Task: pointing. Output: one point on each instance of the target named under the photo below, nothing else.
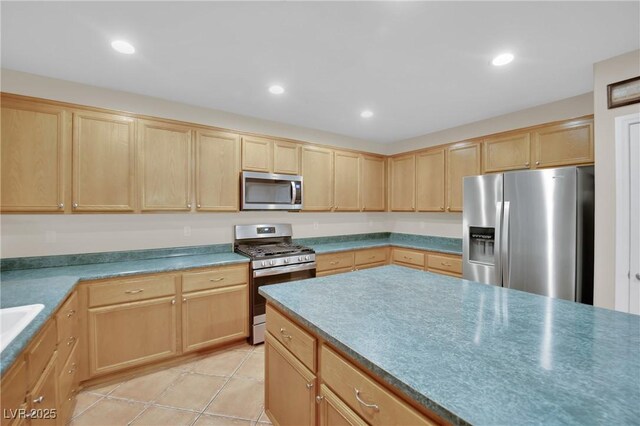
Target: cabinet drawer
(67, 375)
(132, 289)
(40, 352)
(294, 338)
(329, 262)
(445, 263)
(376, 255)
(67, 323)
(44, 396)
(214, 278)
(358, 390)
(408, 256)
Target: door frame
(623, 190)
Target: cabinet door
(430, 181)
(564, 144)
(103, 162)
(165, 166)
(217, 171)
(290, 388)
(372, 184)
(507, 152)
(317, 172)
(256, 154)
(334, 412)
(462, 160)
(128, 334)
(403, 183)
(214, 316)
(346, 193)
(286, 158)
(35, 138)
(44, 397)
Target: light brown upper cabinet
(217, 170)
(165, 165)
(256, 154)
(35, 144)
(507, 152)
(403, 183)
(103, 162)
(346, 193)
(372, 186)
(270, 156)
(286, 158)
(463, 159)
(317, 173)
(430, 180)
(563, 144)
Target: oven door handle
(283, 269)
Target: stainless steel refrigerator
(531, 231)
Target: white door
(627, 295)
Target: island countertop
(474, 353)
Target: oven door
(278, 275)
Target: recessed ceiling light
(366, 114)
(502, 59)
(123, 47)
(276, 89)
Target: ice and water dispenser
(481, 244)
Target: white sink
(14, 320)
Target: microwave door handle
(293, 192)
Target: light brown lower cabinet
(290, 388)
(342, 392)
(43, 399)
(334, 412)
(215, 316)
(129, 334)
(439, 263)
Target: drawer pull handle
(406, 257)
(445, 264)
(72, 370)
(71, 313)
(372, 257)
(284, 334)
(216, 279)
(38, 400)
(319, 399)
(372, 406)
(138, 290)
(309, 385)
(71, 340)
(334, 263)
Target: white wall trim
(622, 247)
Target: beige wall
(576, 106)
(606, 72)
(66, 91)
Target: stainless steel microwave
(268, 191)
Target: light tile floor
(224, 388)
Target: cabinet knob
(38, 400)
(198, 206)
(319, 399)
(537, 163)
(184, 300)
(442, 208)
(71, 313)
(61, 206)
(75, 205)
(309, 385)
(526, 164)
(448, 208)
(173, 301)
(189, 205)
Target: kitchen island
(466, 353)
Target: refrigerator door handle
(504, 245)
(497, 251)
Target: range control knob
(307, 257)
(286, 261)
(300, 258)
(264, 263)
(272, 262)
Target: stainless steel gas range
(274, 259)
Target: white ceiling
(420, 66)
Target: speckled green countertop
(475, 353)
(50, 286)
(383, 239)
